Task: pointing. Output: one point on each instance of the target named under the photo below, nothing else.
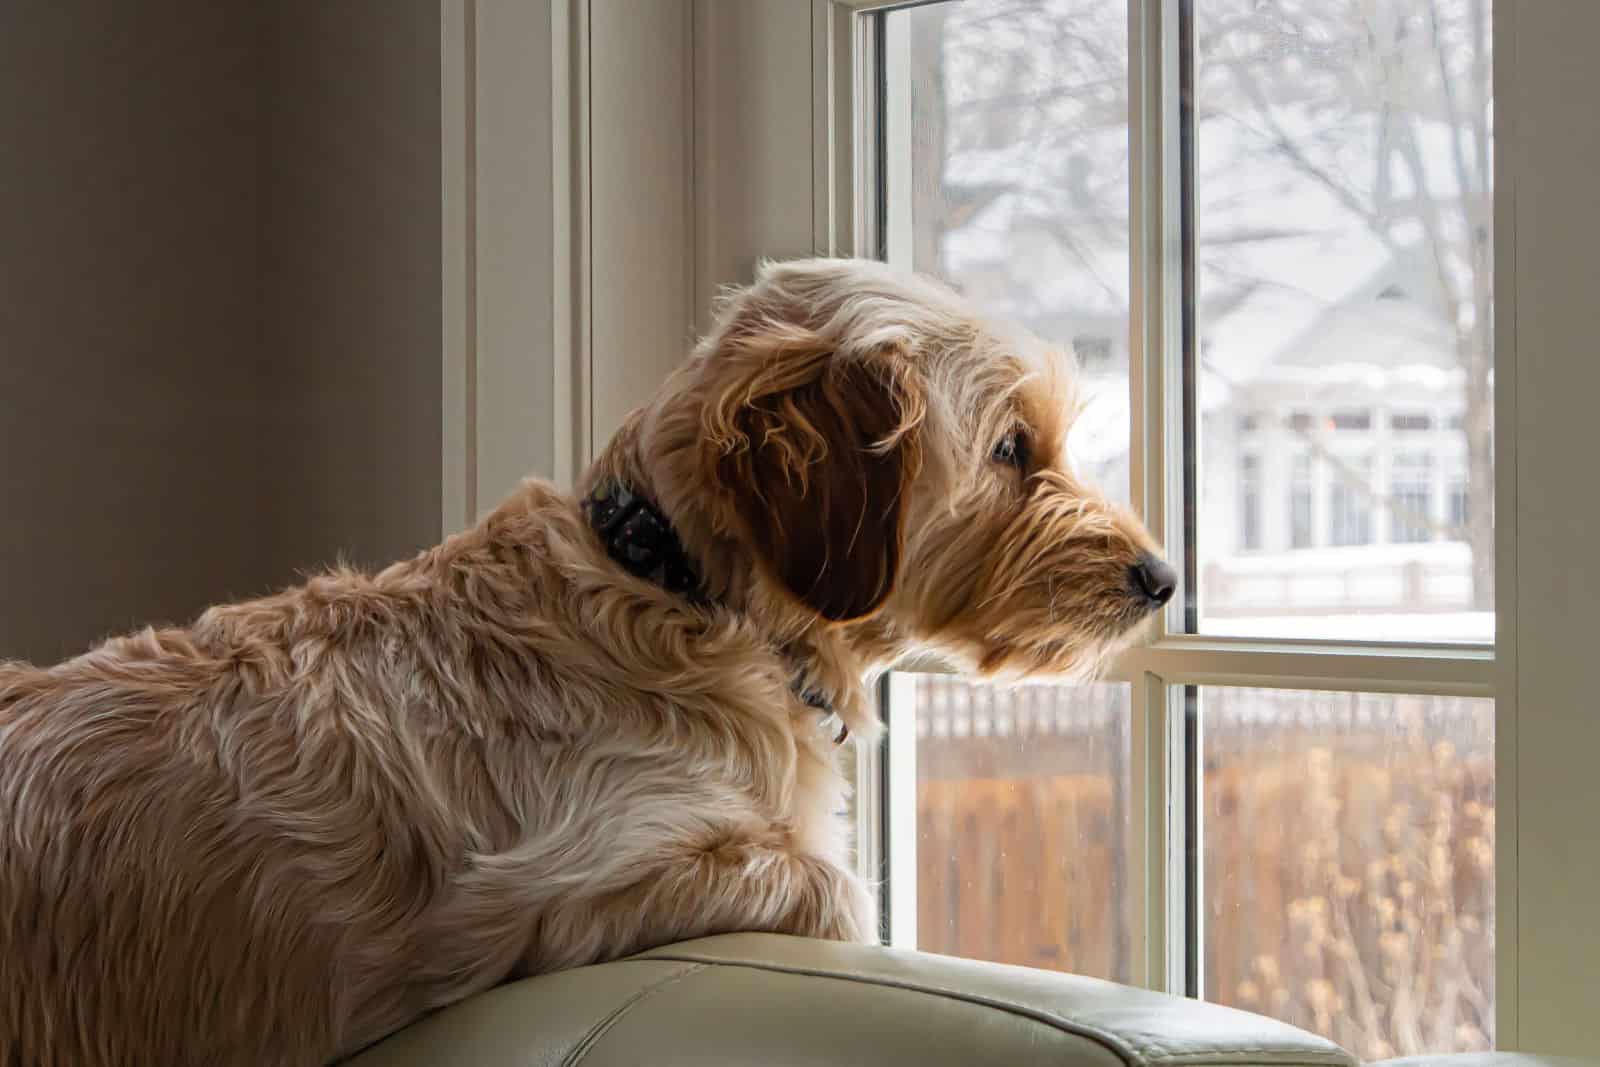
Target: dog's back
(186, 856)
(120, 871)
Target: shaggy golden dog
(593, 723)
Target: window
(814, 97)
(1022, 825)
(1358, 139)
(1411, 498)
(1349, 854)
(1301, 492)
(1017, 189)
(1249, 503)
(1460, 514)
(1094, 354)
(1022, 838)
(1298, 261)
(1350, 503)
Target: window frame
(761, 100)
(1166, 671)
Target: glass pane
(1007, 135)
(1349, 865)
(1023, 827)
(1345, 386)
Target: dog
(594, 723)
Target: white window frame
(524, 185)
(1159, 672)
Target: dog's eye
(1012, 450)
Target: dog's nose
(1154, 578)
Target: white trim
(1185, 799)
(1240, 661)
(1506, 770)
(458, 247)
(570, 380)
(1154, 355)
(1546, 151)
(902, 829)
(1155, 305)
(1155, 862)
(1281, 665)
(869, 815)
(582, 293)
(514, 159)
(898, 225)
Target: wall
(643, 240)
(130, 370)
(753, 171)
(350, 225)
(219, 337)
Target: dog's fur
(302, 822)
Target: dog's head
(887, 461)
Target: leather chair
(762, 999)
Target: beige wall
(219, 325)
(350, 222)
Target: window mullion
(1157, 868)
(1155, 316)
(1420, 671)
(1155, 274)
(899, 816)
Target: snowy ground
(1464, 626)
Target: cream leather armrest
(761, 999)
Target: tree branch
(1285, 144)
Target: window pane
(1343, 215)
(1349, 865)
(1007, 132)
(1023, 827)
(1007, 177)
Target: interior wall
(751, 192)
(641, 167)
(219, 338)
(129, 362)
(350, 224)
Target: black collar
(640, 538)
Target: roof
(1295, 286)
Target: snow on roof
(1279, 254)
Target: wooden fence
(1348, 853)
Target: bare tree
(1022, 109)
(1312, 81)
(1342, 95)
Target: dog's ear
(816, 451)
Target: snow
(1475, 627)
